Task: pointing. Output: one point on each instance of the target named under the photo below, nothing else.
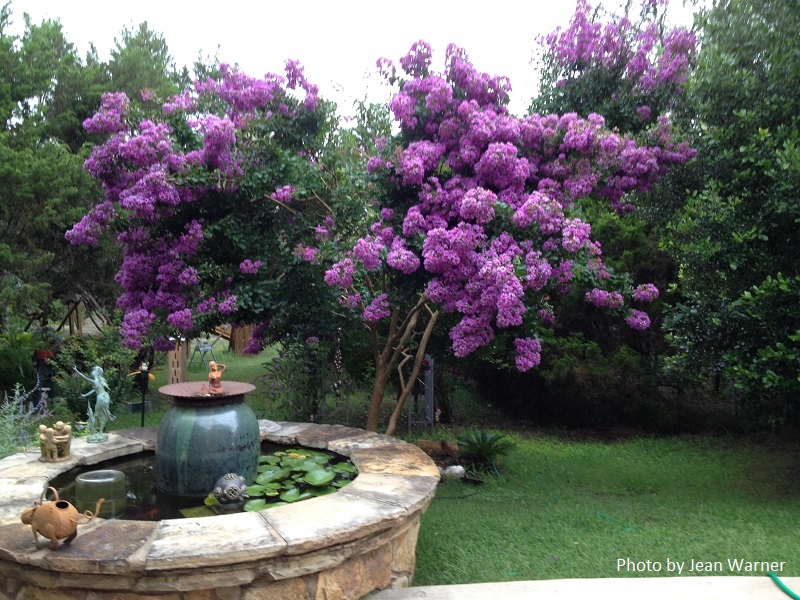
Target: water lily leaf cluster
(297, 474)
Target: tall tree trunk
(407, 386)
(386, 359)
(378, 389)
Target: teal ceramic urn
(203, 437)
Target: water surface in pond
(144, 501)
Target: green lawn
(565, 509)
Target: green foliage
(46, 94)
(302, 378)
(735, 239)
(140, 60)
(83, 353)
(16, 361)
(591, 387)
(480, 450)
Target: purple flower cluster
(110, 117)
(249, 267)
(401, 258)
(528, 353)
(283, 194)
(604, 299)
(638, 320)
(377, 309)
(646, 292)
(257, 339)
(306, 253)
(92, 226)
(575, 235)
(182, 319)
(341, 273)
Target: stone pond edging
(340, 546)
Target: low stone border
(340, 546)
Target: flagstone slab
(208, 541)
(329, 520)
(410, 492)
(405, 459)
(115, 447)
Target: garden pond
(285, 475)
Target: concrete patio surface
(644, 588)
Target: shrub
(16, 361)
(480, 450)
(105, 350)
(302, 374)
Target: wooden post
(75, 320)
(178, 357)
(240, 335)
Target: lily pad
(255, 505)
(259, 491)
(344, 467)
(198, 511)
(319, 477)
(291, 495)
(322, 491)
(254, 491)
(272, 474)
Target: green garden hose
(783, 587)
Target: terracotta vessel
(55, 520)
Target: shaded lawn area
(572, 509)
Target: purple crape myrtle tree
(629, 67)
(207, 193)
(481, 220)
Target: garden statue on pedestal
(55, 441)
(215, 371)
(102, 408)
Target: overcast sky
(338, 41)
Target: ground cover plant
(574, 507)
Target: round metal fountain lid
(194, 389)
